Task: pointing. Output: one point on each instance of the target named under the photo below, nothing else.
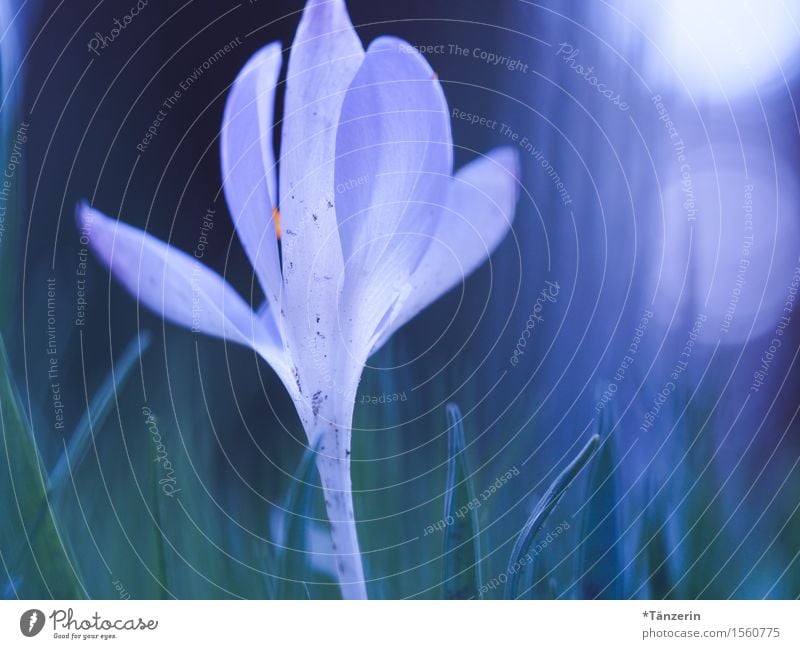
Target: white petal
(177, 286)
(325, 56)
(483, 196)
(248, 164)
(394, 161)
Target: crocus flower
(373, 227)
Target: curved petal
(177, 286)
(248, 164)
(480, 210)
(394, 161)
(393, 153)
(325, 55)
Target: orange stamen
(276, 217)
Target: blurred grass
(233, 530)
(516, 584)
(461, 577)
(600, 567)
(108, 525)
(36, 561)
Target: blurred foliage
(461, 578)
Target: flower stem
(333, 463)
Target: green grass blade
(31, 549)
(600, 562)
(293, 556)
(58, 480)
(656, 577)
(461, 576)
(95, 415)
(543, 508)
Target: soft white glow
(717, 50)
(745, 248)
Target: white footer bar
(153, 624)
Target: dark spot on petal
(316, 401)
